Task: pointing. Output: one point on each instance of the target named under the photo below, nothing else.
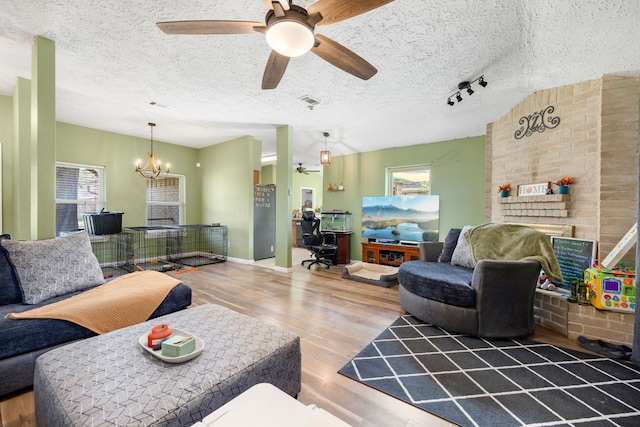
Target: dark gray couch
(493, 300)
(24, 340)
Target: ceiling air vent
(156, 104)
(310, 101)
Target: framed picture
(534, 189)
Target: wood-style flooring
(335, 319)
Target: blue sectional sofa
(24, 340)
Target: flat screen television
(401, 219)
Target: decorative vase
(504, 193)
(563, 189)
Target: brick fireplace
(596, 142)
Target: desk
(296, 234)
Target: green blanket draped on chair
(513, 242)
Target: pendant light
(325, 156)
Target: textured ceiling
(112, 60)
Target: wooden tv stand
(389, 254)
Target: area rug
(472, 381)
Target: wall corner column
(43, 140)
(284, 182)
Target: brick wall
(608, 325)
(551, 311)
(596, 142)
(573, 320)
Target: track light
(466, 85)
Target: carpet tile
(472, 381)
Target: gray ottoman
(111, 380)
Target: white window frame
(405, 169)
(101, 203)
(181, 203)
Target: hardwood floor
(334, 318)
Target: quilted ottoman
(111, 380)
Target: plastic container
(103, 223)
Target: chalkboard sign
(574, 257)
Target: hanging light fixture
(288, 31)
(466, 85)
(325, 156)
(151, 169)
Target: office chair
(323, 247)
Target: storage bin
(103, 223)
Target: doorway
(307, 198)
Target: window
(165, 201)
(409, 180)
(80, 189)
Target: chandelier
(151, 169)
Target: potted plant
(563, 184)
(504, 190)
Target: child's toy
(611, 289)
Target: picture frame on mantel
(538, 189)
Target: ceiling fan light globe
(290, 38)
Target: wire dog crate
(204, 244)
(152, 248)
(111, 251)
(160, 248)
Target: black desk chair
(323, 247)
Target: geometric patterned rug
(472, 381)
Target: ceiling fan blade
(209, 27)
(276, 66)
(283, 3)
(333, 11)
(343, 58)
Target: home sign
(533, 189)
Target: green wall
(221, 189)
(6, 135)
(457, 175)
(126, 191)
(227, 190)
(268, 174)
(312, 180)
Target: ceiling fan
(304, 170)
(289, 30)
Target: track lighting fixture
(466, 85)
